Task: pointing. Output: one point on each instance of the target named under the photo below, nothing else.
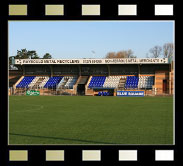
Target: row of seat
(132, 82)
(103, 94)
(47, 82)
(24, 83)
(97, 81)
(53, 82)
(33, 82)
(39, 82)
(112, 81)
(70, 82)
(146, 82)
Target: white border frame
(99, 144)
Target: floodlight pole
(93, 52)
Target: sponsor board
(93, 61)
(130, 93)
(32, 93)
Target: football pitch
(90, 120)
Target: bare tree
(155, 51)
(168, 49)
(121, 54)
(110, 55)
(130, 54)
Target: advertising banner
(130, 93)
(32, 93)
(93, 61)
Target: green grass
(90, 120)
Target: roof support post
(79, 70)
(51, 69)
(109, 70)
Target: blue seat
(97, 81)
(25, 82)
(131, 82)
(53, 82)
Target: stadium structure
(94, 77)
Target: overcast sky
(77, 39)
